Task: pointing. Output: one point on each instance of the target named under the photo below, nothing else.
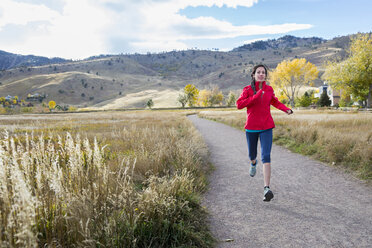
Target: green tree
(290, 76)
(304, 101)
(345, 100)
(182, 98)
(231, 99)
(150, 103)
(354, 74)
(324, 100)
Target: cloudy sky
(77, 29)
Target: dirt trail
(314, 205)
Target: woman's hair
(253, 85)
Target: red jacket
(258, 106)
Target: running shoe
(252, 170)
(268, 194)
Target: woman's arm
(246, 99)
(277, 104)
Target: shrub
(304, 101)
(27, 109)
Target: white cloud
(90, 27)
(158, 46)
(23, 13)
(180, 4)
(254, 40)
(76, 33)
(160, 22)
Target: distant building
(9, 98)
(333, 94)
(36, 97)
(10, 101)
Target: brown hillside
(105, 80)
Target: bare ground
(314, 205)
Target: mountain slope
(114, 79)
(10, 60)
(284, 42)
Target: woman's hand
(289, 111)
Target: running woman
(257, 98)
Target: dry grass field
(162, 99)
(339, 138)
(104, 179)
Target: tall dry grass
(338, 138)
(102, 180)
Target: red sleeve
(277, 104)
(247, 99)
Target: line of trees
(353, 76)
(15, 101)
(211, 96)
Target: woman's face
(260, 74)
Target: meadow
(341, 139)
(102, 179)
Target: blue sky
(76, 29)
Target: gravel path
(314, 205)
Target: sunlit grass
(109, 179)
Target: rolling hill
(11, 60)
(124, 81)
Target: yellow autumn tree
(204, 98)
(210, 97)
(282, 97)
(217, 96)
(354, 75)
(290, 75)
(191, 93)
(15, 100)
(52, 105)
